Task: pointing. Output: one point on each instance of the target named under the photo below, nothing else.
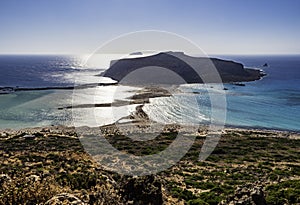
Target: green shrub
(210, 198)
(197, 202)
(284, 192)
(182, 193)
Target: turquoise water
(272, 102)
(34, 109)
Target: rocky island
(189, 69)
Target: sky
(216, 26)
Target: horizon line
(78, 54)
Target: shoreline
(140, 97)
(135, 125)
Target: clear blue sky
(217, 26)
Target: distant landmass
(178, 68)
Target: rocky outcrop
(142, 190)
(247, 195)
(187, 69)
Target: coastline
(136, 125)
(142, 97)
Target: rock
(3, 134)
(64, 198)
(45, 130)
(4, 178)
(257, 196)
(247, 194)
(29, 137)
(33, 178)
(142, 190)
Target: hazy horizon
(218, 27)
(209, 54)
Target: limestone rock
(64, 199)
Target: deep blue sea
(272, 102)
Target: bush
(284, 192)
(197, 202)
(182, 194)
(211, 198)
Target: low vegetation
(32, 171)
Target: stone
(34, 178)
(4, 178)
(29, 137)
(64, 198)
(146, 189)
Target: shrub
(197, 202)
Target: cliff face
(178, 68)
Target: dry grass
(33, 171)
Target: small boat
(265, 65)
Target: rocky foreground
(50, 166)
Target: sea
(270, 103)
